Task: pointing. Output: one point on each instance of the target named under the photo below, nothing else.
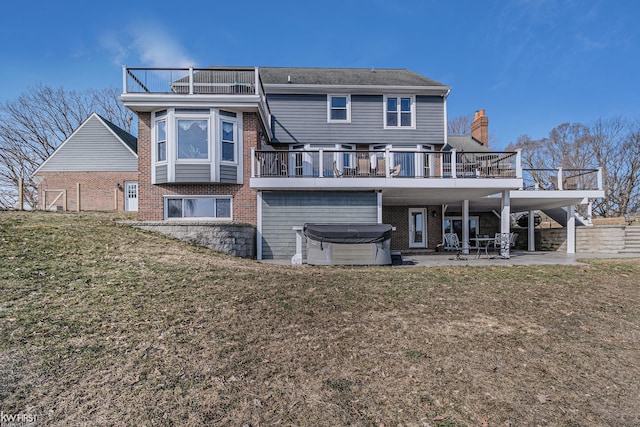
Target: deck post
(519, 163)
(560, 183)
(454, 165)
(505, 225)
(571, 229)
(531, 234)
(190, 80)
(465, 226)
(253, 163)
(124, 79)
(600, 186)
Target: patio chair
(513, 237)
(452, 243)
(504, 241)
(336, 172)
(364, 166)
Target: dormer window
(399, 112)
(339, 108)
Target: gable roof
(464, 143)
(130, 140)
(95, 145)
(381, 80)
(345, 76)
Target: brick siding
(150, 196)
(398, 216)
(96, 189)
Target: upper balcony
(368, 170)
(239, 88)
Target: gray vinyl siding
(229, 174)
(193, 173)
(93, 147)
(283, 210)
(161, 174)
(303, 119)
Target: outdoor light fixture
(117, 185)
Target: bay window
(196, 145)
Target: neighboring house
(276, 148)
(100, 160)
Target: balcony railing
(192, 81)
(327, 163)
(562, 179)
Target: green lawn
(107, 325)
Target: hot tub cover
(348, 233)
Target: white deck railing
(562, 179)
(192, 81)
(328, 163)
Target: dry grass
(107, 325)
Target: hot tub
(348, 244)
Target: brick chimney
(480, 127)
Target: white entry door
(417, 228)
(131, 196)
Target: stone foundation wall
(237, 239)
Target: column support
(505, 223)
(571, 229)
(531, 235)
(465, 226)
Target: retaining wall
(237, 239)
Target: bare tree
(37, 122)
(613, 144)
(460, 125)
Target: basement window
(200, 207)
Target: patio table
(483, 242)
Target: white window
(228, 137)
(399, 112)
(192, 138)
(161, 141)
(200, 207)
(339, 108)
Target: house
(274, 148)
(96, 168)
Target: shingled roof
(464, 143)
(345, 77)
(126, 137)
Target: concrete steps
(605, 239)
(631, 239)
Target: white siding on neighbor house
(303, 119)
(93, 147)
(281, 211)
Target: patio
(517, 257)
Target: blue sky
(531, 64)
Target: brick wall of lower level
(398, 216)
(98, 190)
